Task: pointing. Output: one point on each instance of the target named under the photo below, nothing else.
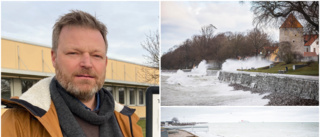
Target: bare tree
(237, 45)
(258, 39)
(275, 12)
(151, 45)
(5, 88)
(208, 31)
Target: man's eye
(72, 53)
(98, 56)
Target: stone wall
(305, 87)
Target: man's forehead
(81, 37)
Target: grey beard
(81, 94)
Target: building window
(132, 96)
(110, 89)
(306, 49)
(26, 84)
(5, 88)
(141, 97)
(121, 95)
(314, 49)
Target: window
(5, 88)
(132, 96)
(314, 49)
(141, 98)
(306, 49)
(121, 95)
(110, 89)
(26, 84)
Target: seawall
(305, 87)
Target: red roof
(309, 54)
(309, 39)
(291, 22)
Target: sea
(197, 88)
(259, 129)
(187, 89)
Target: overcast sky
(127, 23)
(236, 114)
(181, 20)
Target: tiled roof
(291, 22)
(309, 39)
(309, 54)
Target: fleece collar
(39, 95)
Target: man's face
(80, 61)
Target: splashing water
(201, 69)
(195, 88)
(253, 62)
(185, 78)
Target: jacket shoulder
(127, 121)
(19, 122)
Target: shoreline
(177, 133)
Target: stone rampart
(306, 87)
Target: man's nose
(86, 61)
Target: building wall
(23, 56)
(315, 45)
(307, 49)
(273, 56)
(294, 36)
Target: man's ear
(53, 58)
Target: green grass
(312, 69)
(142, 124)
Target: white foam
(201, 69)
(190, 79)
(253, 62)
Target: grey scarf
(67, 105)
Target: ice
(252, 62)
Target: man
(73, 103)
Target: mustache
(85, 72)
